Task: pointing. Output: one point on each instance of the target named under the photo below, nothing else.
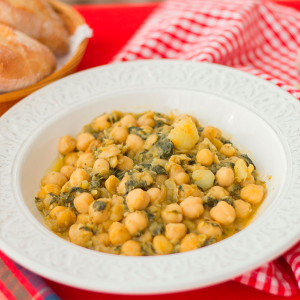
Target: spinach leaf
(225, 141)
(138, 131)
(210, 202)
(159, 170)
(99, 205)
(248, 160)
(165, 147)
(133, 184)
(156, 228)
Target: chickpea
(135, 143)
(136, 222)
(101, 123)
(249, 180)
(101, 166)
(157, 195)
(93, 146)
(252, 193)
(78, 176)
(82, 202)
(99, 210)
(79, 236)
(84, 140)
(172, 213)
(49, 188)
(128, 121)
(242, 209)
(225, 177)
(137, 199)
(86, 160)
(210, 229)
(146, 120)
(192, 207)
(217, 192)
(160, 179)
(146, 237)
(117, 200)
(189, 242)
(211, 133)
(67, 171)
(62, 218)
(205, 157)
(228, 150)
(175, 231)
(83, 219)
(187, 190)
(223, 213)
(66, 144)
(101, 239)
(71, 159)
(117, 212)
(162, 245)
(131, 248)
(54, 178)
(126, 164)
(111, 184)
(119, 134)
(179, 175)
(121, 189)
(118, 233)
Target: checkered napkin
(259, 37)
(17, 283)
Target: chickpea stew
(148, 184)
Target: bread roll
(23, 60)
(37, 19)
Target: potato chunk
(203, 179)
(184, 135)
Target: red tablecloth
(113, 25)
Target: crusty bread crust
(23, 60)
(37, 19)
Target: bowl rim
(143, 75)
(68, 68)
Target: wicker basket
(72, 19)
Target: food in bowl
(148, 184)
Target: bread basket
(72, 20)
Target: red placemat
(113, 25)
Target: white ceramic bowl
(262, 119)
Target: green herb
(159, 123)
(200, 129)
(214, 168)
(159, 170)
(210, 202)
(99, 205)
(210, 241)
(147, 249)
(229, 200)
(248, 160)
(133, 184)
(165, 147)
(97, 181)
(138, 131)
(156, 228)
(85, 228)
(225, 141)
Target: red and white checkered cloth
(255, 36)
